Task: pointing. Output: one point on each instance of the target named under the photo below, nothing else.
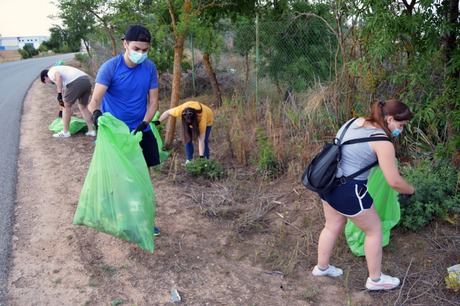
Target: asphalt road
(15, 80)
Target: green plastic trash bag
(117, 197)
(76, 124)
(163, 154)
(387, 206)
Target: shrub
(28, 51)
(267, 163)
(82, 57)
(436, 184)
(210, 169)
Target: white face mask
(137, 57)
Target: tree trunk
(86, 43)
(212, 79)
(175, 89)
(177, 69)
(112, 40)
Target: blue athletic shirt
(127, 89)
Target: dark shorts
(80, 89)
(349, 199)
(150, 149)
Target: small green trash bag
(117, 197)
(76, 124)
(387, 206)
(163, 154)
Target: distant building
(15, 43)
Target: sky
(26, 17)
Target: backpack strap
(339, 140)
(359, 140)
(365, 139)
(351, 176)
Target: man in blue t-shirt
(127, 86)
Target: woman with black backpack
(349, 199)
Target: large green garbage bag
(387, 206)
(117, 197)
(163, 154)
(76, 124)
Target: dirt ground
(232, 242)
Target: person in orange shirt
(197, 120)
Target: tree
(98, 12)
(61, 40)
(244, 41)
(79, 25)
(210, 42)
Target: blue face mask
(396, 132)
(137, 57)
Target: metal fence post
(257, 59)
(193, 65)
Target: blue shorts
(349, 199)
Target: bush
(210, 169)
(436, 193)
(43, 48)
(82, 57)
(267, 163)
(24, 53)
(28, 51)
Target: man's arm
(152, 105)
(96, 98)
(58, 81)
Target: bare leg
(369, 222)
(86, 115)
(66, 114)
(332, 229)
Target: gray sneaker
(61, 134)
(330, 271)
(386, 282)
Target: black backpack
(320, 174)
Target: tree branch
(173, 17)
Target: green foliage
(297, 52)
(210, 169)
(267, 163)
(62, 41)
(82, 58)
(244, 35)
(28, 51)
(42, 48)
(436, 185)
(408, 58)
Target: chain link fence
(266, 58)
(258, 59)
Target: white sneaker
(386, 282)
(91, 133)
(62, 134)
(330, 271)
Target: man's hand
(156, 122)
(96, 114)
(141, 127)
(59, 98)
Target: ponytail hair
(391, 107)
(190, 124)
